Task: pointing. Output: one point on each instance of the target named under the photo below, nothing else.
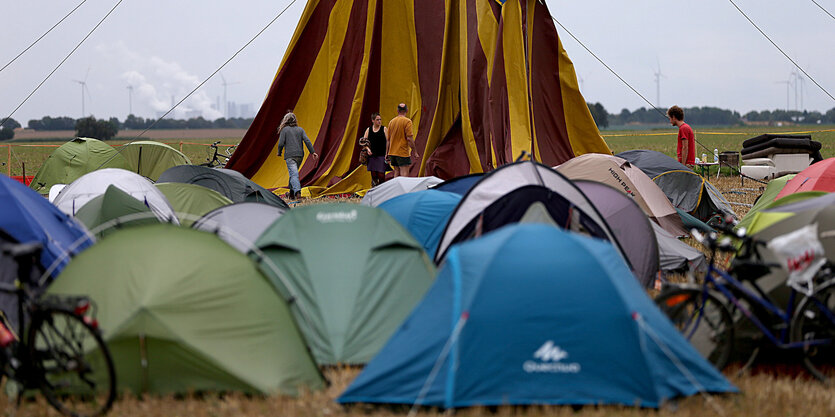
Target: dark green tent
(353, 271)
(74, 159)
(182, 311)
(231, 184)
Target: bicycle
(705, 313)
(62, 354)
(214, 158)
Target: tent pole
(139, 162)
(9, 163)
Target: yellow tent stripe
(516, 75)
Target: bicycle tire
(74, 366)
(810, 322)
(702, 319)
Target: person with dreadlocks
(290, 139)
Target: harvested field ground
(770, 391)
(762, 395)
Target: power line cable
(203, 82)
(824, 10)
(42, 36)
(217, 70)
(62, 62)
(662, 113)
(781, 50)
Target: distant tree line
(708, 116)
(135, 122)
(7, 130)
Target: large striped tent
(484, 80)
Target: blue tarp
(424, 214)
(27, 216)
(544, 317)
(459, 185)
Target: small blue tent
(459, 185)
(26, 216)
(531, 314)
(424, 214)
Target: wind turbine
(787, 83)
(802, 80)
(658, 76)
(794, 75)
(225, 101)
(83, 89)
(130, 99)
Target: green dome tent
(150, 159)
(74, 159)
(769, 214)
(183, 311)
(354, 273)
(114, 204)
(191, 199)
(766, 198)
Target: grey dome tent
(631, 227)
(231, 184)
(354, 273)
(93, 184)
(504, 195)
(240, 224)
(397, 186)
(675, 255)
(685, 189)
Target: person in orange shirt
(400, 143)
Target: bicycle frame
(781, 340)
(17, 289)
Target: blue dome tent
(508, 322)
(26, 216)
(424, 214)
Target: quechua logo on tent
(548, 360)
(337, 217)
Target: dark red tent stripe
(284, 93)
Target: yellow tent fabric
(484, 81)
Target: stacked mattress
(764, 146)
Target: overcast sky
(708, 54)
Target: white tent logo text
(549, 356)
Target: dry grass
(763, 395)
(766, 394)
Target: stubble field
(765, 392)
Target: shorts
(400, 161)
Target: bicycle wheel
(73, 363)
(703, 320)
(814, 323)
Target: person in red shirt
(686, 149)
